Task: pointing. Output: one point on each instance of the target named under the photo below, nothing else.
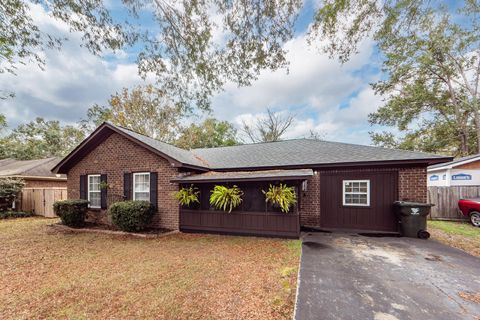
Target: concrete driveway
(347, 276)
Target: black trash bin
(413, 218)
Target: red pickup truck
(471, 208)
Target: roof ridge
(144, 135)
(253, 143)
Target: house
(42, 187)
(459, 172)
(36, 173)
(339, 185)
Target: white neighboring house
(459, 172)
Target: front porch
(254, 216)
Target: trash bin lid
(412, 204)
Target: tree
(9, 190)
(432, 84)
(144, 109)
(208, 134)
(196, 47)
(269, 128)
(40, 139)
(3, 122)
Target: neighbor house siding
(412, 186)
(118, 155)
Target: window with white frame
(141, 186)
(94, 192)
(356, 192)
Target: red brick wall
(310, 203)
(45, 184)
(117, 155)
(412, 186)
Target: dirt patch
(183, 276)
(467, 244)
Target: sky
(325, 96)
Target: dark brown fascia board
(425, 162)
(104, 125)
(283, 178)
(77, 148)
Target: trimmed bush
(9, 214)
(132, 215)
(71, 212)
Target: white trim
(344, 182)
(133, 187)
(88, 191)
(454, 165)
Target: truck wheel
(475, 218)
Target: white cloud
(325, 96)
(318, 90)
(72, 81)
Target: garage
(358, 200)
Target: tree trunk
(477, 128)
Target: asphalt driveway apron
(344, 276)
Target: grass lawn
(47, 274)
(461, 235)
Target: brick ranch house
(339, 185)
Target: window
(94, 193)
(141, 186)
(356, 192)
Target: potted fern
(187, 196)
(224, 198)
(281, 196)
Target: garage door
(358, 200)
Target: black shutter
(103, 191)
(153, 188)
(83, 187)
(127, 186)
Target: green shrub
(132, 215)
(14, 214)
(281, 196)
(223, 197)
(9, 189)
(71, 212)
(187, 196)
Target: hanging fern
(187, 196)
(282, 196)
(223, 197)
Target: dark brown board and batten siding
(378, 216)
(244, 223)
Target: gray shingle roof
(181, 155)
(30, 168)
(472, 157)
(270, 155)
(303, 152)
(247, 175)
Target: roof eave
(282, 178)
(426, 161)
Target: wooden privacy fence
(446, 199)
(40, 200)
